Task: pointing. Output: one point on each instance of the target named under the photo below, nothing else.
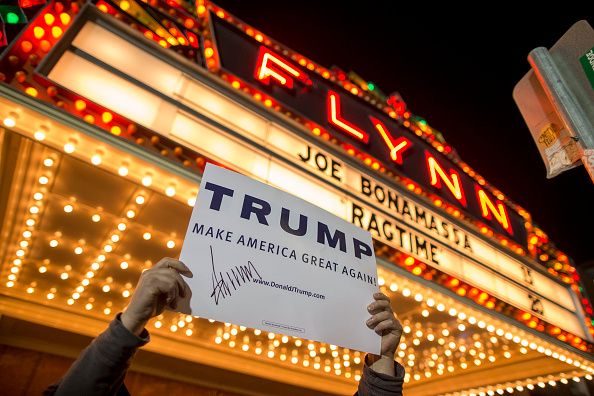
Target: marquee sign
(158, 96)
(362, 125)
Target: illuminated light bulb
(75, 295)
(48, 162)
(95, 266)
(123, 171)
(24, 244)
(440, 307)
(106, 288)
(65, 18)
(189, 332)
(430, 302)
(68, 208)
(108, 248)
(146, 236)
(53, 243)
(96, 159)
(90, 274)
(116, 130)
(452, 312)
(123, 265)
(115, 238)
(38, 32)
(49, 19)
(107, 311)
(40, 134)
(158, 324)
(418, 297)
(393, 287)
(170, 191)
(170, 244)
(43, 180)
(126, 293)
(461, 327)
(50, 296)
(10, 121)
(80, 289)
(88, 306)
(406, 292)
(20, 253)
(38, 196)
(192, 201)
(85, 282)
(122, 226)
(17, 261)
(69, 148)
(78, 250)
(147, 180)
(140, 200)
(42, 269)
(96, 218)
(64, 275)
(34, 209)
(130, 214)
(30, 290)
(57, 31)
(106, 117)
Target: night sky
(459, 74)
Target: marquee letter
(335, 119)
(270, 65)
(489, 210)
(451, 180)
(396, 146)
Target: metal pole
(567, 106)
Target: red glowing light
(270, 65)
(335, 119)
(396, 146)
(452, 179)
(490, 210)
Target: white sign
(263, 258)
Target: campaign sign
(265, 259)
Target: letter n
(490, 210)
(450, 179)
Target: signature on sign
(224, 283)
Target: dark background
(457, 71)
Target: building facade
(110, 111)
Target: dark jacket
(100, 369)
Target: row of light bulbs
(96, 159)
(529, 384)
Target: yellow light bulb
(96, 159)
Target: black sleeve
(378, 384)
(100, 369)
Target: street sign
(556, 99)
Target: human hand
(158, 288)
(384, 322)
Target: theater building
(109, 112)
